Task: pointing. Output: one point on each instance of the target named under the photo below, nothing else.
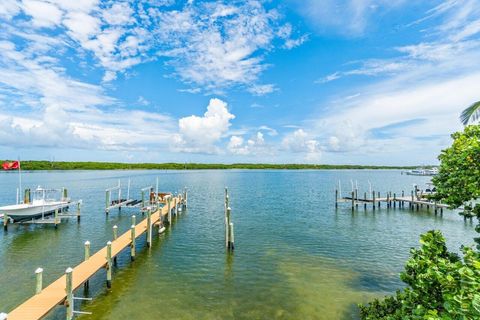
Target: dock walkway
(42, 303)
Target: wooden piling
(186, 197)
(133, 220)
(39, 280)
(356, 198)
(169, 215)
(87, 250)
(373, 200)
(107, 200)
(149, 228)
(132, 244)
(5, 221)
(109, 264)
(336, 198)
(394, 200)
(115, 236)
(353, 200)
(227, 226)
(115, 232)
(365, 201)
(69, 291)
(378, 202)
(87, 256)
(231, 245)
(78, 210)
(55, 218)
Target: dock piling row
(415, 201)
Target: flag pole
(19, 175)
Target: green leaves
(441, 285)
(468, 112)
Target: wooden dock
(61, 290)
(415, 200)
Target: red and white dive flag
(14, 165)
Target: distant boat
(422, 172)
(44, 202)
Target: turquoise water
(296, 257)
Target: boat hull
(31, 211)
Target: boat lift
(54, 217)
(150, 198)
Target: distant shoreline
(67, 165)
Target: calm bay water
(296, 257)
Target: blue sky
(305, 81)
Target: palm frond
(468, 113)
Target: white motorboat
(422, 172)
(44, 202)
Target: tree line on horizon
(92, 165)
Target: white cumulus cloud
(200, 134)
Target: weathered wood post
(169, 206)
(186, 198)
(107, 200)
(411, 200)
(176, 205)
(115, 232)
(78, 210)
(356, 198)
(87, 250)
(231, 244)
(227, 226)
(55, 218)
(5, 221)
(373, 200)
(353, 200)
(109, 264)
(26, 198)
(143, 198)
(378, 202)
(132, 244)
(365, 201)
(39, 280)
(87, 256)
(133, 220)
(115, 236)
(149, 228)
(336, 198)
(388, 200)
(69, 292)
(394, 200)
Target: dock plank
(41, 304)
